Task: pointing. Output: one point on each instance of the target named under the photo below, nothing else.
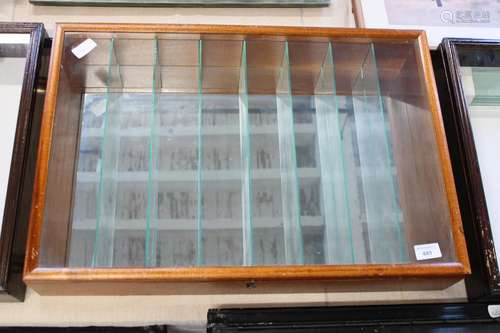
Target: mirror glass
(13, 51)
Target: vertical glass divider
(397, 218)
(246, 162)
(339, 247)
(199, 202)
(375, 155)
(151, 239)
(102, 254)
(290, 189)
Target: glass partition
(229, 150)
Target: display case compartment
(275, 153)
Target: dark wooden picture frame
(484, 283)
(20, 184)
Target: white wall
(338, 14)
(191, 309)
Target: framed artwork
(468, 75)
(439, 18)
(21, 91)
(235, 3)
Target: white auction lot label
(494, 311)
(84, 48)
(427, 251)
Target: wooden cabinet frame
(18, 198)
(121, 280)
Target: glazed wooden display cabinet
(213, 153)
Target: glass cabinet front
(223, 149)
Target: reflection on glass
(13, 48)
(482, 89)
(230, 152)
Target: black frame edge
(232, 320)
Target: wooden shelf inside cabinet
(188, 176)
(23, 64)
(186, 224)
(467, 72)
(193, 131)
(190, 154)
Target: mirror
(13, 52)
